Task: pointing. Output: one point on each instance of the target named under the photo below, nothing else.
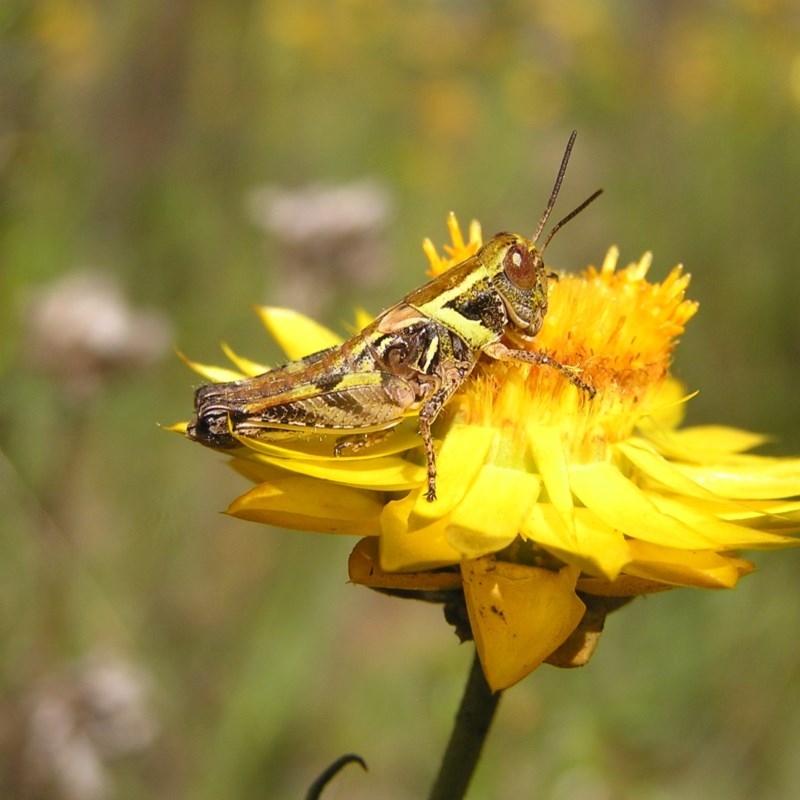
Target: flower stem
(315, 790)
(471, 728)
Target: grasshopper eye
(520, 266)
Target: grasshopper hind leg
(430, 454)
(427, 416)
(352, 443)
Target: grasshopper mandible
(408, 361)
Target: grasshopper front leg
(500, 352)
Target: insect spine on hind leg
(409, 361)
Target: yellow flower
(552, 508)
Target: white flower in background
(80, 329)
(328, 237)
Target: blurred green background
(132, 137)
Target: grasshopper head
(519, 277)
(213, 419)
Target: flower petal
(701, 568)
(253, 470)
(757, 479)
(293, 501)
(364, 568)
(297, 334)
(361, 319)
(460, 458)
(519, 615)
(385, 473)
(548, 452)
(621, 504)
(769, 515)
(591, 544)
(210, 372)
(703, 444)
(314, 444)
(490, 515)
(420, 546)
(667, 407)
(415, 531)
(245, 365)
(647, 459)
(726, 535)
(708, 442)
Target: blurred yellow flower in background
(552, 509)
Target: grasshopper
(409, 361)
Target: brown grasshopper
(410, 360)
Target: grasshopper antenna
(554, 195)
(556, 189)
(574, 213)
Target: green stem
(471, 728)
